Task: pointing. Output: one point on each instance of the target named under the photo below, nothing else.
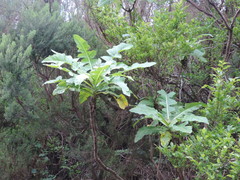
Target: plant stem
(92, 108)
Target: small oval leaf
(122, 101)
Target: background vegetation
(181, 120)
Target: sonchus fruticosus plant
(91, 77)
(171, 119)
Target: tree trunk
(92, 108)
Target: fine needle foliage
(91, 77)
(171, 119)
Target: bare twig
(129, 10)
(220, 14)
(230, 36)
(234, 18)
(200, 9)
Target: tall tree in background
(16, 77)
(18, 102)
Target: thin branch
(228, 47)
(234, 18)
(129, 10)
(200, 9)
(221, 15)
(134, 3)
(230, 36)
(221, 5)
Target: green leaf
(59, 90)
(144, 110)
(97, 74)
(119, 66)
(90, 54)
(129, 68)
(165, 138)
(65, 69)
(53, 66)
(84, 94)
(182, 128)
(199, 54)
(167, 101)
(83, 47)
(122, 101)
(142, 65)
(78, 79)
(77, 66)
(192, 117)
(58, 79)
(59, 59)
(119, 81)
(197, 104)
(189, 109)
(148, 130)
(114, 52)
(148, 102)
(149, 112)
(107, 58)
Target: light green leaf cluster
(90, 76)
(214, 154)
(172, 118)
(167, 46)
(225, 96)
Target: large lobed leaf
(115, 51)
(165, 138)
(149, 112)
(58, 79)
(175, 118)
(119, 81)
(59, 90)
(148, 130)
(142, 65)
(192, 117)
(145, 110)
(83, 48)
(84, 94)
(77, 79)
(97, 74)
(167, 101)
(183, 128)
(91, 76)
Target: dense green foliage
(90, 76)
(173, 118)
(214, 152)
(69, 111)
